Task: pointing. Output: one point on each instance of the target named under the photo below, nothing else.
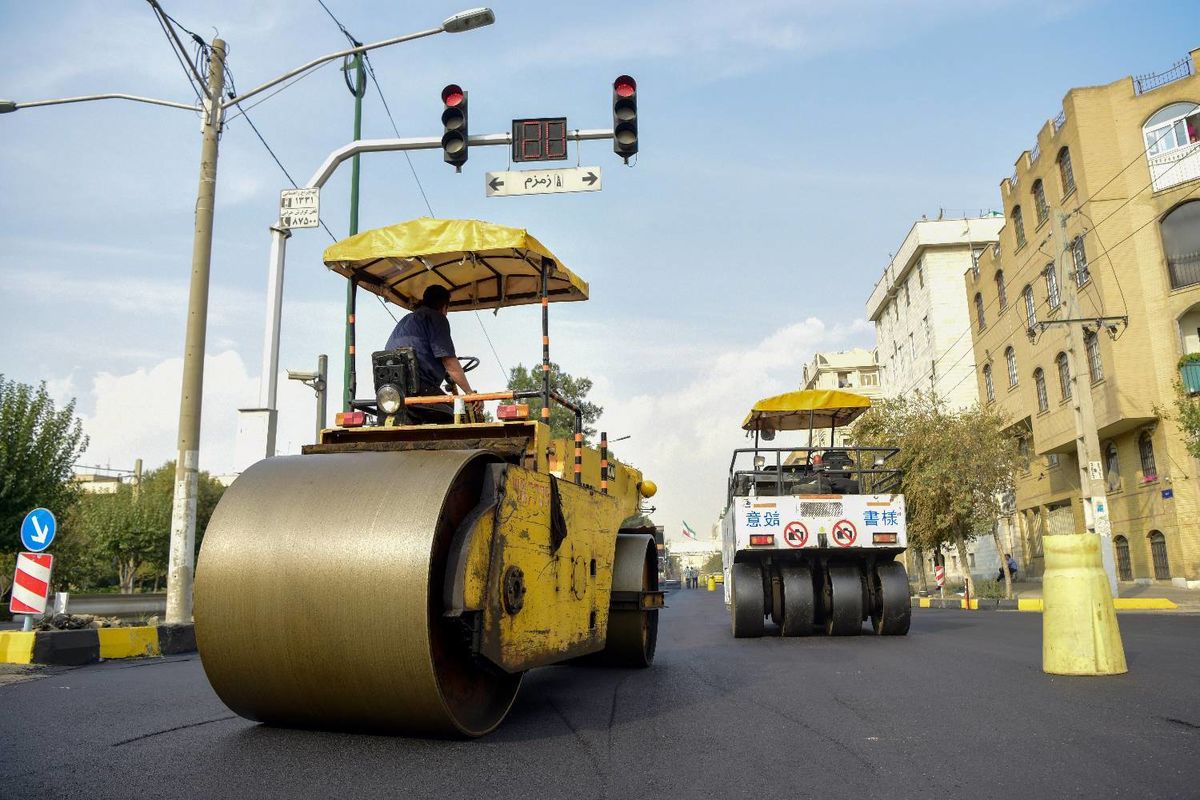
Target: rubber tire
(632, 635)
(893, 613)
(748, 609)
(843, 601)
(799, 600)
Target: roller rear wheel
(892, 610)
(633, 635)
(799, 600)
(843, 601)
(749, 603)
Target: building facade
(922, 331)
(1121, 165)
(855, 370)
(921, 321)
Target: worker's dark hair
(436, 296)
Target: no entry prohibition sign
(795, 534)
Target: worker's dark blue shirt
(427, 331)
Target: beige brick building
(1122, 162)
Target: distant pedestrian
(1012, 567)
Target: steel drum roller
(318, 595)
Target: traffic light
(625, 129)
(454, 126)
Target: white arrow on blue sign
(37, 531)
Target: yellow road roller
(404, 572)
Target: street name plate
(542, 181)
(300, 208)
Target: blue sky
(786, 148)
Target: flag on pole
(687, 531)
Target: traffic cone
(1079, 624)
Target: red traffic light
(452, 95)
(624, 86)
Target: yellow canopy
(483, 265)
(794, 411)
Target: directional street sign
(31, 583)
(37, 531)
(300, 208)
(542, 181)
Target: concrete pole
(1093, 485)
(187, 462)
(322, 385)
(137, 477)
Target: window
(1079, 256)
(1030, 308)
(1052, 298)
(928, 333)
(1001, 292)
(1039, 202)
(1112, 467)
(1146, 452)
(976, 253)
(843, 379)
(921, 274)
(912, 348)
(1023, 450)
(1124, 566)
(1039, 381)
(869, 378)
(1018, 226)
(979, 311)
(1158, 552)
(988, 386)
(1180, 230)
(1010, 358)
(1052, 460)
(1091, 343)
(906, 298)
(1064, 375)
(1064, 171)
(1176, 126)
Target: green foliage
(713, 565)
(38, 446)
(956, 464)
(1189, 358)
(1187, 416)
(562, 421)
(125, 536)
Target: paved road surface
(959, 708)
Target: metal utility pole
(187, 462)
(350, 376)
(317, 381)
(1093, 485)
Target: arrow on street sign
(542, 181)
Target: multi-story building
(1121, 162)
(922, 323)
(855, 370)
(922, 331)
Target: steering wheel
(468, 363)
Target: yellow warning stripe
(128, 642)
(16, 647)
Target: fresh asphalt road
(959, 708)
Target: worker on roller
(427, 331)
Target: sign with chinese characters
(542, 181)
(801, 521)
(543, 139)
(300, 208)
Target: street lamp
(317, 382)
(187, 463)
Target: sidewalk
(1186, 599)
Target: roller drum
(318, 596)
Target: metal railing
(1035, 153)
(1152, 80)
(1060, 119)
(797, 471)
(1184, 269)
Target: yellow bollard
(712, 583)
(1079, 624)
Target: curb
(1034, 604)
(76, 648)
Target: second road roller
(404, 572)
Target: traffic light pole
(187, 467)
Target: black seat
(399, 368)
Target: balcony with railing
(1174, 167)
(1184, 269)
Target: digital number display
(542, 139)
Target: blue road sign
(37, 531)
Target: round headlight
(388, 398)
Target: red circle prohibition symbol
(844, 533)
(795, 534)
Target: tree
(957, 465)
(1187, 417)
(712, 565)
(38, 447)
(562, 420)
